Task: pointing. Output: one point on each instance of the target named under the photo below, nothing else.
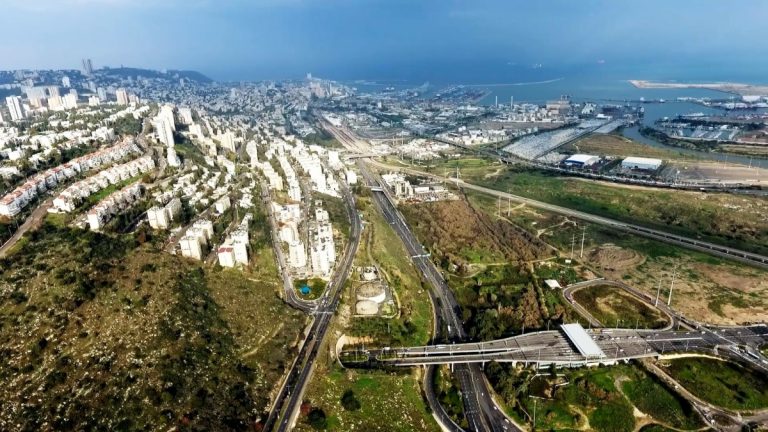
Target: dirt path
(33, 222)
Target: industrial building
(581, 160)
(641, 163)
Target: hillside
(123, 72)
(102, 333)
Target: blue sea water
(593, 82)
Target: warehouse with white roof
(641, 163)
(581, 160)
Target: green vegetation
(614, 307)
(124, 337)
(368, 400)
(316, 287)
(447, 389)
(381, 246)
(94, 199)
(460, 234)
(599, 399)
(650, 396)
(127, 126)
(486, 261)
(619, 146)
(699, 215)
(721, 383)
(349, 401)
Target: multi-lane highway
(554, 347)
(480, 409)
(289, 398)
(355, 144)
(546, 347)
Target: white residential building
(14, 106)
(297, 256)
(190, 247)
(122, 96)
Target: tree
(317, 419)
(349, 401)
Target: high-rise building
(53, 91)
(66, 82)
(55, 102)
(1, 118)
(87, 67)
(122, 96)
(70, 101)
(14, 106)
(101, 92)
(92, 86)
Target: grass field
(735, 220)
(619, 146)
(615, 308)
(652, 397)
(707, 289)
(721, 383)
(388, 401)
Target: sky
(380, 39)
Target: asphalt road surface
(290, 396)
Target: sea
(599, 82)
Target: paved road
(33, 221)
(289, 292)
(355, 144)
(678, 240)
(480, 409)
(290, 396)
(553, 347)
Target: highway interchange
(541, 348)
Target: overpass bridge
(545, 348)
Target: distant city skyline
(377, 39)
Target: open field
(616, 308)
(721, 383)
(619, 398)
(760, 150)
(104, 332)
(715, 172)
(387, 401)
(735, 220)
(619, 146)
(463, 235)
(706, 288)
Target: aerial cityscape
(384, 216)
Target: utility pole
(573, 243)
(671, 286)
(583, 234)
